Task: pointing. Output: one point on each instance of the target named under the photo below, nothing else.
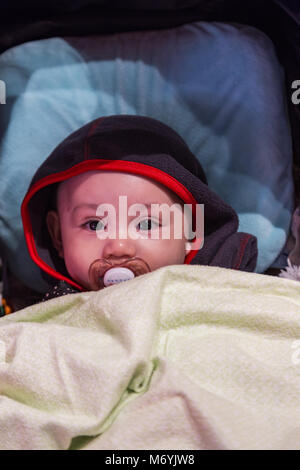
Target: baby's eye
(94, 225)
(147, 224)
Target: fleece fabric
(184, 357)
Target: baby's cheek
(166, 252)
(178, 251)
(78, 258)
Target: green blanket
(185, 357)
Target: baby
(74, 224)
(109, 202)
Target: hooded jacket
(142, 146)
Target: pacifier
(105, 273)
(115, 275)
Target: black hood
(143, 146)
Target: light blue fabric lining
(219, 86)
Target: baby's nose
(119, 247)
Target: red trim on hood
(241, 251)
(103, 165)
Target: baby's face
(78, 228)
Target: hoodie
(142, 146)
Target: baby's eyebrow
(95, 206)
(85, 205)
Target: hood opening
(41, 198)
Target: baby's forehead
(97, 186)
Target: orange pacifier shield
(104, 273)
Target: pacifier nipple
(116, 275)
